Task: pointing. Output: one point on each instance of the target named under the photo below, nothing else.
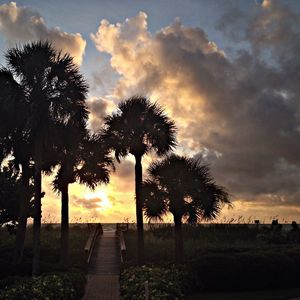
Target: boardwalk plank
(104, 269)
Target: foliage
(139, 126)
(223, 257)
(248, 270)
(50, 251)
(278, 294)
(184, 187)
(202, 239)
(47, 287)
(164, 282)
(47, 99)
(84, 160)
(10, 193)
(9, 197)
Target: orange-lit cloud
(19, 24)
(240, 113)
(237, 110)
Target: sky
(227, 72)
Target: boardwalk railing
(95, 231)
(120, 229)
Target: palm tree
(137, 127)
(55, 94)
(10, 195)
(14, 140)
(82, 160)
(185, 188)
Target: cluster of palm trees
(177, 184)
(44, 118)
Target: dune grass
(226, 258)
(159, 241)
(50, 249)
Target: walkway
(104, 269)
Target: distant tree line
(44, 115)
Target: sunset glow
(223, 72)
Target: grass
(198, 240)
(227, 258)
(50, 249)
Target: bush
(164, 283)
(47, 287)
(78, 280)
(250, 270)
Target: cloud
(19, 24)
(91, 204)
(99, 108)
(244, 110)
(122, 179)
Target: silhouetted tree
(185, 188)
(83, 160)
(14, 140)
(55, 94)
(137, 127)
(10, 195)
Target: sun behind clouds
(104, 202)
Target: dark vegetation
(224, 257)
(163, 282)
(44, 129)
(11, 187)
(137, 128)
(185, 188)
(273, 294)
(56, 282)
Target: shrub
(47, 287)
(164, 283)
(248, 270)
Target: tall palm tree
(55, 94)
(137, 127)
(82, 160)
(14, 140)
(185, 188)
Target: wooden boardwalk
(104, 269)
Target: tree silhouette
(55, 94)
(83, 159)
(14, 139)
(185, 188)
(10, 195)
(137, 127)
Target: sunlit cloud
(224, 107)
(19, 24)
(238, 111)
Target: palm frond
(155, 201)
(139, 126)
(192, 191)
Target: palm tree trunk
(22, 222)
(37, 218)
(139, 208)
(64, 236)
(178, 239)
